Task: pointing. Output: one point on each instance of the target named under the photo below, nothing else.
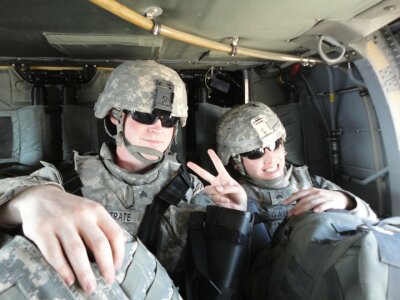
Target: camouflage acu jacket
(269, 201)
(125, 196)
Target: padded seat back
(27, 136)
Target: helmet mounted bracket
(164, 95)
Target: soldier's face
(270, 166)
(152, 136)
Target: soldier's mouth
(151, 141)
(271, 169)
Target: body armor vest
(268, 202)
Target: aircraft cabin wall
(349, 128)
(340, 140)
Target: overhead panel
(263, 25)
(105, 45)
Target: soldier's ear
(284, 149)
(112, 118)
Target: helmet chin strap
(238, 165)
(135, 151)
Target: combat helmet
(142, 86)
(246, 128)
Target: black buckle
(177, 188)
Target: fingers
(317, 200)
(201, 172)
(76, 254)
(61, 224)
(99, 245)
(306, 204)
(221, 200)
(223, 175)
(219, 166)
(105, 239)
(233, 196)
(51, 249)
(116, 238)
(324, 206)
(106, 242)
(224, 190)
(297, 196)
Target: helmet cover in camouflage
(132, 86)
(245, 128)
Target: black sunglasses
(157, 114)
(258, 153)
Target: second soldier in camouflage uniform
(250, 139)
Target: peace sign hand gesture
(223, 189)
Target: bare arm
(328, 195)
(318, 200)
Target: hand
(223, 189)
(61, 224)
(318, 200)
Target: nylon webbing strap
(71, 181)
(170, 195)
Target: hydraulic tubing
(332, 97)
(367, 180)
(315, 103)
(334, 135)
(133, 17)
(353, 78)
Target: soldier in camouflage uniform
(250, 139)
(145, 101)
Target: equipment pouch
(220, 252)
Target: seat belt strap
(71, 181)
(172, 194)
